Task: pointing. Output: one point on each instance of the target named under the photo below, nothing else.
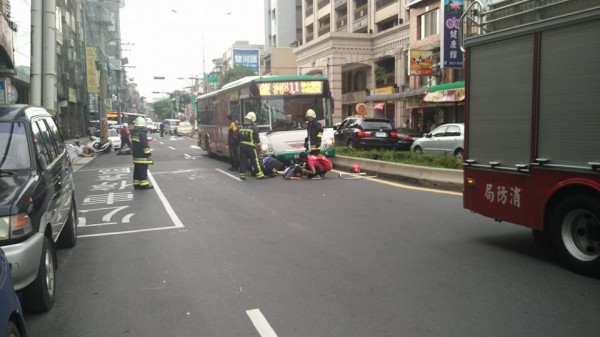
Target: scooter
(98, 145)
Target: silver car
(446, 139)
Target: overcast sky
(165, 38)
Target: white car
(184, 129)
(446, 139)
(115, 138)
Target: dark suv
(362, 132)
(37, 205)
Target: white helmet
(125, 125)
(251, 116)
(140, 122)
(311, 113)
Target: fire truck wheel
(575, 231)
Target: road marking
(408, 187)
(178, 171)
(162, 143)
(126, 232)
(260, 323)
(165, 202)
(172, 148)
(195, 147)
(229, 174)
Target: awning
(447, 92)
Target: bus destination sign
(291, 88)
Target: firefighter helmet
(251, 116)
(140, 122)
(311, 113)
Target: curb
(418, 175)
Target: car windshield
(113, 133)
(14, 153)
(377, 125)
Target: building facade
(364, 48)
(283, 32)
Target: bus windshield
(287, 113)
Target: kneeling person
(316, 165)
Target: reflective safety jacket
(248, 135)
(315, 133)
(139, 147)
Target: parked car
(37, 203)
(115, 137)
(12, 321)
(406, 137)
(171, 126)
(445, 139)
(150, 126)
(184, 129)
(361, 132)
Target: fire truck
(532, 119)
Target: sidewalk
(77, 162)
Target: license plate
(380, 134)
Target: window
(58, 140)
(453, 131)
(14, 152)
(428, 24)
(439, 132)
(51, 150)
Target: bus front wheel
(575, 233)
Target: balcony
(322, 3)
(379, 4)
(309, 11)
(324, 28)
(360, 12)
(338, 3)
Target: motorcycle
(97, 145)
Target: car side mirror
(428, 135)
(43, 162)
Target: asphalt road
(205, 254)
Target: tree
(236, 73)
(162, 108)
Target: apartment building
(361, 46)
(283, 32)
(364, 48)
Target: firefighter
(249, 143)
(314, 131)
(142, 154)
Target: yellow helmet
(251, 116)
(311, 113)
(139, 122)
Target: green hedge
(403, 157)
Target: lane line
(260, 323)
(172, 148)
(229, 174)
(126, 232)
(408, 187)
(161, 196)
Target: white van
(171, 126)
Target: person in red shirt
(314, 167)
(125, 135)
